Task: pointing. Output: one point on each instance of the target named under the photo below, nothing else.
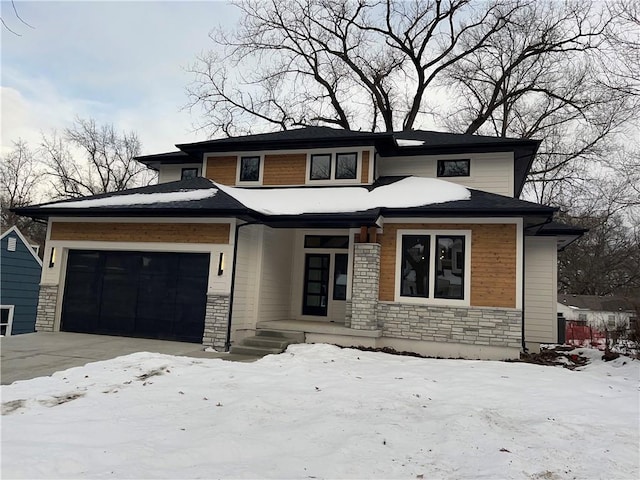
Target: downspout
(227, 343)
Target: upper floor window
(454, 168)
(188, 173)
(320, 167)
(249, 169)
(432, 265)
(346, 166)
(341, 166)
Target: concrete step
(295, 337)
(269, 342)
(256, 351)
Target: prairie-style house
(415, 241)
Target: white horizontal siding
(540, 295)
(172, 173)
(244, 296)
(275, 279)
(490, 172)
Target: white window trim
(334, 158)
(11, 309)
(431, 300)
(238, 170)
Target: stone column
(46, 312)
(215, 321)
(366, 281)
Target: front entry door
(316, 284)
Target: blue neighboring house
(20, 270)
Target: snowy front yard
(317, 411)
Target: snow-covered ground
(318, 411)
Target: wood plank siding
(285, 169)
(222, 169)
(493, 261)
(364, 177)
(215, 233)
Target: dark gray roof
(599, 303)
(385, 141)
(220, 204)
(223, 205)
(559, 228)
(435, 143)
(169, 158)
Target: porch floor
(310, 326)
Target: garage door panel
(148, 294)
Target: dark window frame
(431, 268)
(462, 274)
(407, 262)
(326, 241)
(355, 165)
(319, 156)
(195, 170)
(242, 172)
(442, 168)
(340, 291)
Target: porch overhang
(367, 218)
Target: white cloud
(117, 62)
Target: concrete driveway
(40, 354)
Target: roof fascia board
(239, 145)
(462, 148)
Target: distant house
(597, 311)
(415, 241)
(20, 271)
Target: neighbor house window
(346, 165)
(453, 168)
(582, 317)
(433, 265)
(320, 167)
(6, 320)
(188, 173)
(249, 169)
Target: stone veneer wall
(347, 314)
(364, 291)
(500, 327)
(215, 321)
(46, 312)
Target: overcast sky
(118, 62)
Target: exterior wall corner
(366, 281)
(215, 321)
(46, 311)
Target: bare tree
(106, 162)
(20, 176)
(365, 64)
(541, 77)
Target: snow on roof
(405, 142)
(139, 199)
(405, 193)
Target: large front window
(432, 266)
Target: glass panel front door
(316, 284)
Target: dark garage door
(140, 294)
